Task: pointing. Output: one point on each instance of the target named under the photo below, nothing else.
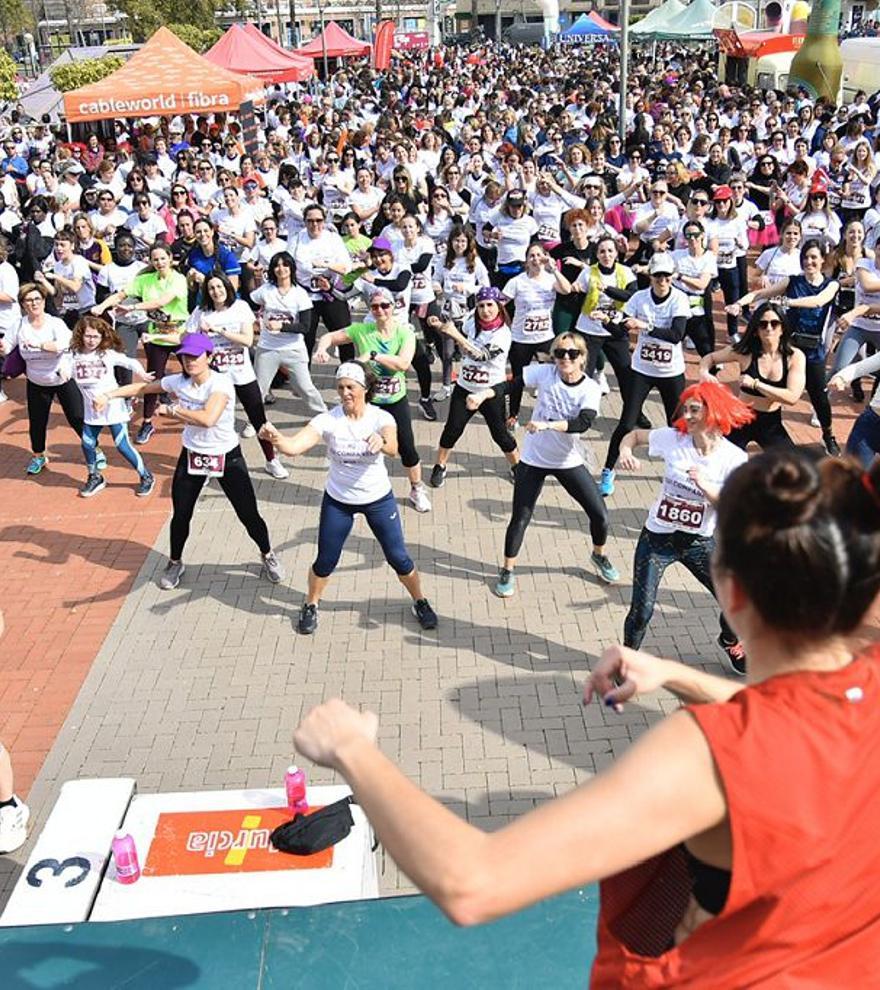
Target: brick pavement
(201, 687)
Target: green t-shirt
(391, 386)
(148, 285)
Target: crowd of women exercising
(469, 223)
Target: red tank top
(799, 758)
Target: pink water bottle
(295, 785)
(128, 869)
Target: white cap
(352, 370)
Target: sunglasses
(332, 161)
(314, 219)
(692, 234)
(378, 306)
(700, 202)
(769, 324)
(561, 353)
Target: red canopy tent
(339, 43)
(600, 21)
(251, 52)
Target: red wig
(724, 411)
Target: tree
(145, 17)
(14, 18)
(199, 39)
(8, 74)
(72, 75)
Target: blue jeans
(654, 553)
(864, 438)
(119, 432)
(335, 524)
(851, 345)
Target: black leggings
(129, 334)
(616, 349)
(336, 316)
(237, 487)
(252, 402)
(670, 390)
(459, 416)
(39, 404)
(526, 489)
(421, 366)
(406, 443)
(701, 331)
(766, 430)
(817, 391)
(520, 356)
(157, 359)
(731, 290)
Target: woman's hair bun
(790, 495)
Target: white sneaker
(276, 469)
(601, 379)
(442, 393)
(418, 498)
(814, 420)
(3, 396)
(248, 432)
(13, 826)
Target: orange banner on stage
(192, 843)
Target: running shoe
(248, 432)
(438, 476)
(100, 459)
(425, 614)
(418, 498)
(13, 825)
(276, 469)
(601, 379)
(505, 586)
(93, 485)
(442, 393)
(145, 486)
(174, 571)
(144, 433)
(643, 423)
(269, 399)
(604, 568)
(606, 483)
(308, 619)
(832, 447)
(428, 410)
(736, 656)
(814, 420)
(272, 567)
(37, 463)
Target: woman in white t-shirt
(533, 293)
(695, 269)
(68, 279)
(681, 522)
(568, 402)
(284, 311)
(43, 342)
(97, 352)
(777, 263)
(660, 315)
(357, 434)
(204, 402)
(484, 341)
(229, 323)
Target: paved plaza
(104, 675)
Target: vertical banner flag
(382, 45)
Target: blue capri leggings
(383, 518)
(119, 432)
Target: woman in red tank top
(736, 841)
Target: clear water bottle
(128, 869)
(295, 786)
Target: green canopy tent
(658, 17)
(695, 23)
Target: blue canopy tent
(585, 31)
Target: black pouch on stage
(308, 834)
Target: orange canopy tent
(600, 21)
(339, 44)
(244, 48)
(164, 77)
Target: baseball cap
(722, 192)
(195, 344)
(516, 196)
(490, 293)
(382, 244)
(661, 264)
